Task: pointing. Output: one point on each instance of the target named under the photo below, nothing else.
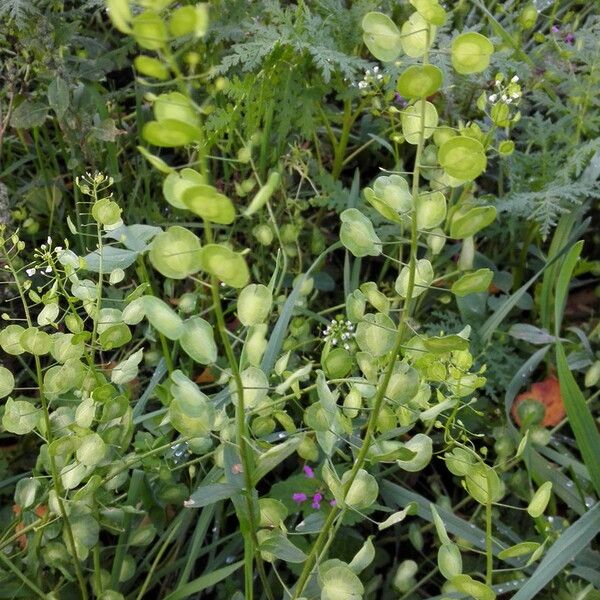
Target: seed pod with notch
(264, 194)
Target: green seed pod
(540, 500)
(308, 449)
(256, 344)
(528, 17)
(415, 536)
(263, 234)
(467, 254)
(436, 240)
(337, 363)
(254, 304)
(355, 306)
(449, 560)
(386, 420)
(289, 233)
(272, 512)
(592, 375)
(264, 194)
(405, 575)
(352, 403)
(262, 426)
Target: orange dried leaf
(547, 392)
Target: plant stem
(380, 397)
(48, 426)
(250, 540)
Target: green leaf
(381, 36)
(472, 283)
(211, 493)
(471, 53)
(580, 417)
(462, 157)
(562, 283)
(469, 223)
(225, 264)
(445, 343)
(29, 114)
(35, 341)
(357, 234)
(58, 96)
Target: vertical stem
(48, 426)
(380, 397)
(340, 148)
(250, 540)
(489, 555)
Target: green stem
(48, 426)
(26, 581)
(340, 148)
(250, 540)
(489, 550)
(323, 536)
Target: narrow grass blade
(561, 553)
(580, 418)
(203, 582)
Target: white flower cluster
(370, 78)
(339, 332)
(43, 255)
(506, 94)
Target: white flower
(368, 72)
(49, 241)
(48, 269)
(362, 85)
(515, 95)
(515, 79)
(504, 97)
(493, 98)
(58, 249)
(30, 272)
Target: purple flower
(554, 29)
(299, 497)
(308, 471)
(316, 503)
(570, 38)
(332, 502)
(398, 99)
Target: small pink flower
(308, 472)
(299, 497)
(554, 29)
(332, 502)
(316, 503)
